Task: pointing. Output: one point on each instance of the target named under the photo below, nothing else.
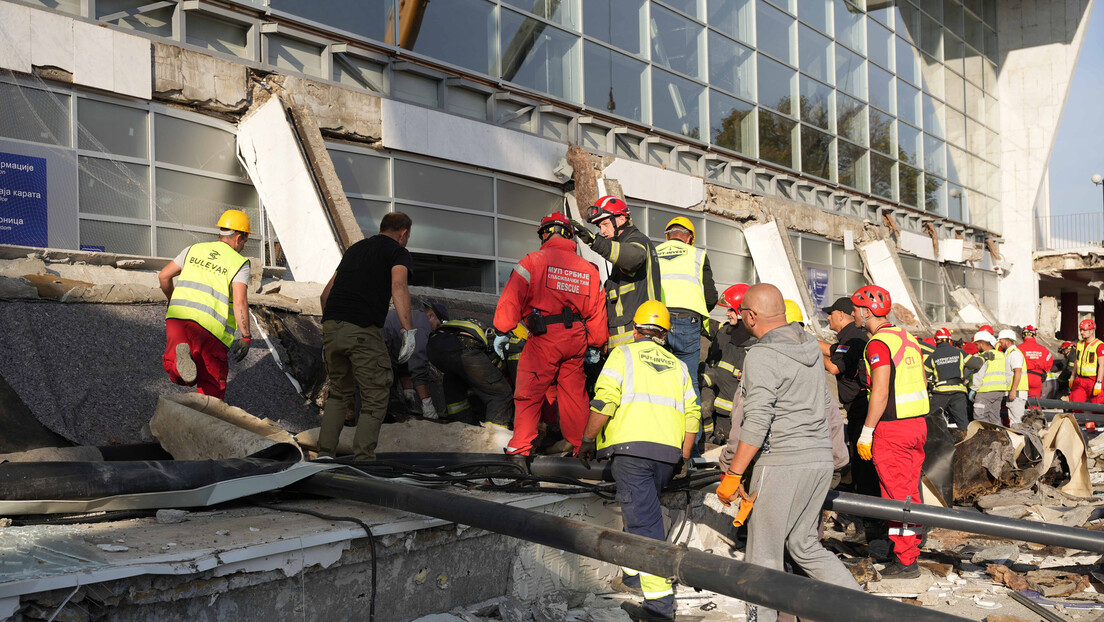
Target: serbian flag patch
(876, 358)
(842, 349)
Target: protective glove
(682, 469)
(593, 355)
(582, 232)
(239, 348)
(988, 355)
(729, 488)
(406, 350)
(972, 394)
(588, 450)
(500, 343)
(1096, 389)
(410, 396)
(746, 504)
(866, 439)
(428, 410)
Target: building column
(1069, 316)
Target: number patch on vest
(565, 280)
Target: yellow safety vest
(466, 327)
(995, 378)
(681, 269)
(1022, 386)
(910, 386)
(203, 293)
(1086, 358)
(650, 399)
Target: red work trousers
(208, 353)
(1082, 390)
(554, 359)
(898, 455)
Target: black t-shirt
(361, 291)
(847, 355)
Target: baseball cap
(843, 303)
(986, 337)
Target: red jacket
(1039, 362)
(549, 280)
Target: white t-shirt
(241, 277)
(1014, 359)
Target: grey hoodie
(786, 400)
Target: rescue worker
(635, 273)
(1015, 365)
(558, 295)
(898, 404)
(459, 349)
(644, 417)
(844, 359)
(208, 313)
(1039, 362)
(947, 368)
(971, 347)
(989, 385)
(1088, 373)
(1062, 372)
(723, 367)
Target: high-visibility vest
(1086, 358)
(995, 378)
(1022, 386)
(682, 269)
(203, 293)
(466, 327)
(650, 399)
(910, 386)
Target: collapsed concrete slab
(199, 427)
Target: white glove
(410, 396)
(428, 411)
(407, 348)
(500, 344)
(593, 355)
(866, 440)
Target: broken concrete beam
(198, 80)
(15, 268)
(192, 426)
(733, 204)
(340, 112)
(418, 435)
(17, 289)
(585, 175)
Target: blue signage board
(817, 279)
(23, 214)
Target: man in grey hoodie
(785, 423)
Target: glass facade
(829, 269)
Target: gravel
(92, 373)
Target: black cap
(841, 304)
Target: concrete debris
(417, 435)
(1049, 583)
(1008, 498)
(113, 548)
(1004, 618)
(198, 427)
(997, 554)
(171, 517)
(937, 569)
(863, 569)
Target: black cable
(349, 519)
(76, 519)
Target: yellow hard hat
(653, 313)
(681, 221)
(235, 220)
(793, 312)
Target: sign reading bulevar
(23, 214)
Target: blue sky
(1079, 149)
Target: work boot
(617, 584)
(896, 570)
(639, 614)
(185, 366)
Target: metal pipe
(1068, 406)
(809, 599)
(961, 520)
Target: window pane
(467, 102)
(815, 50)
(196, 146)
(956, 91)
(907, 23)
(443, 186)
(614, 82)
(908, 143)
(776, 85)
(295, 55)
(850, 73)
(881, 176)
(776, 138)
(114, 188)
(369, 214)
(726, 237)
(449, 232)
(362, 174)
(881, 89)
(908, 103)
(954, 53)
(909, 184)
(617, 22)
(880, 48)
(814, 102)
(908, 62)
(731, 66)
(851, 119)
(539, 57)
(881, 132)
(816, 153)
(850, 26)
(732, 17)
(731, 123)
(112, 129)
(31, 114)
(186, 199)
(218, 35)
(952, 16)
(935, 195)
(775, 32)
(932, 72)
(412, 87)
(676, 104)
(116, 237)
(675, 42)
(729, 268)
(974, 104)
(956, 161)
(935, 120)
(157, 22)
(935, 155)
(931, 37)
(562, 13)
(368, 18)
(460, 32)
(658, 219)
(526, 201)
(815, 12)
(171, 241)
(852, 165)
(516, 239)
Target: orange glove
(1096, 389)
(865, 444)
(729, 488)
(745, 508)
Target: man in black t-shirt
(354, 307)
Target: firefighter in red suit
(1088, 372)
(559, 297)
(1039, 361)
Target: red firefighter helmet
(875, 298)
(942, 333)
(556, 222)
(606, 207)
(988, 329)
(1087, 324)
(1066, 345)
(733, 296)
(1030, 331)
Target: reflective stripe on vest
(910, 386)
(995, 379)
(1012, 372)
(946, 365)
(202, 293)
(1086, 358)
(682, 271)
(465, 327)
